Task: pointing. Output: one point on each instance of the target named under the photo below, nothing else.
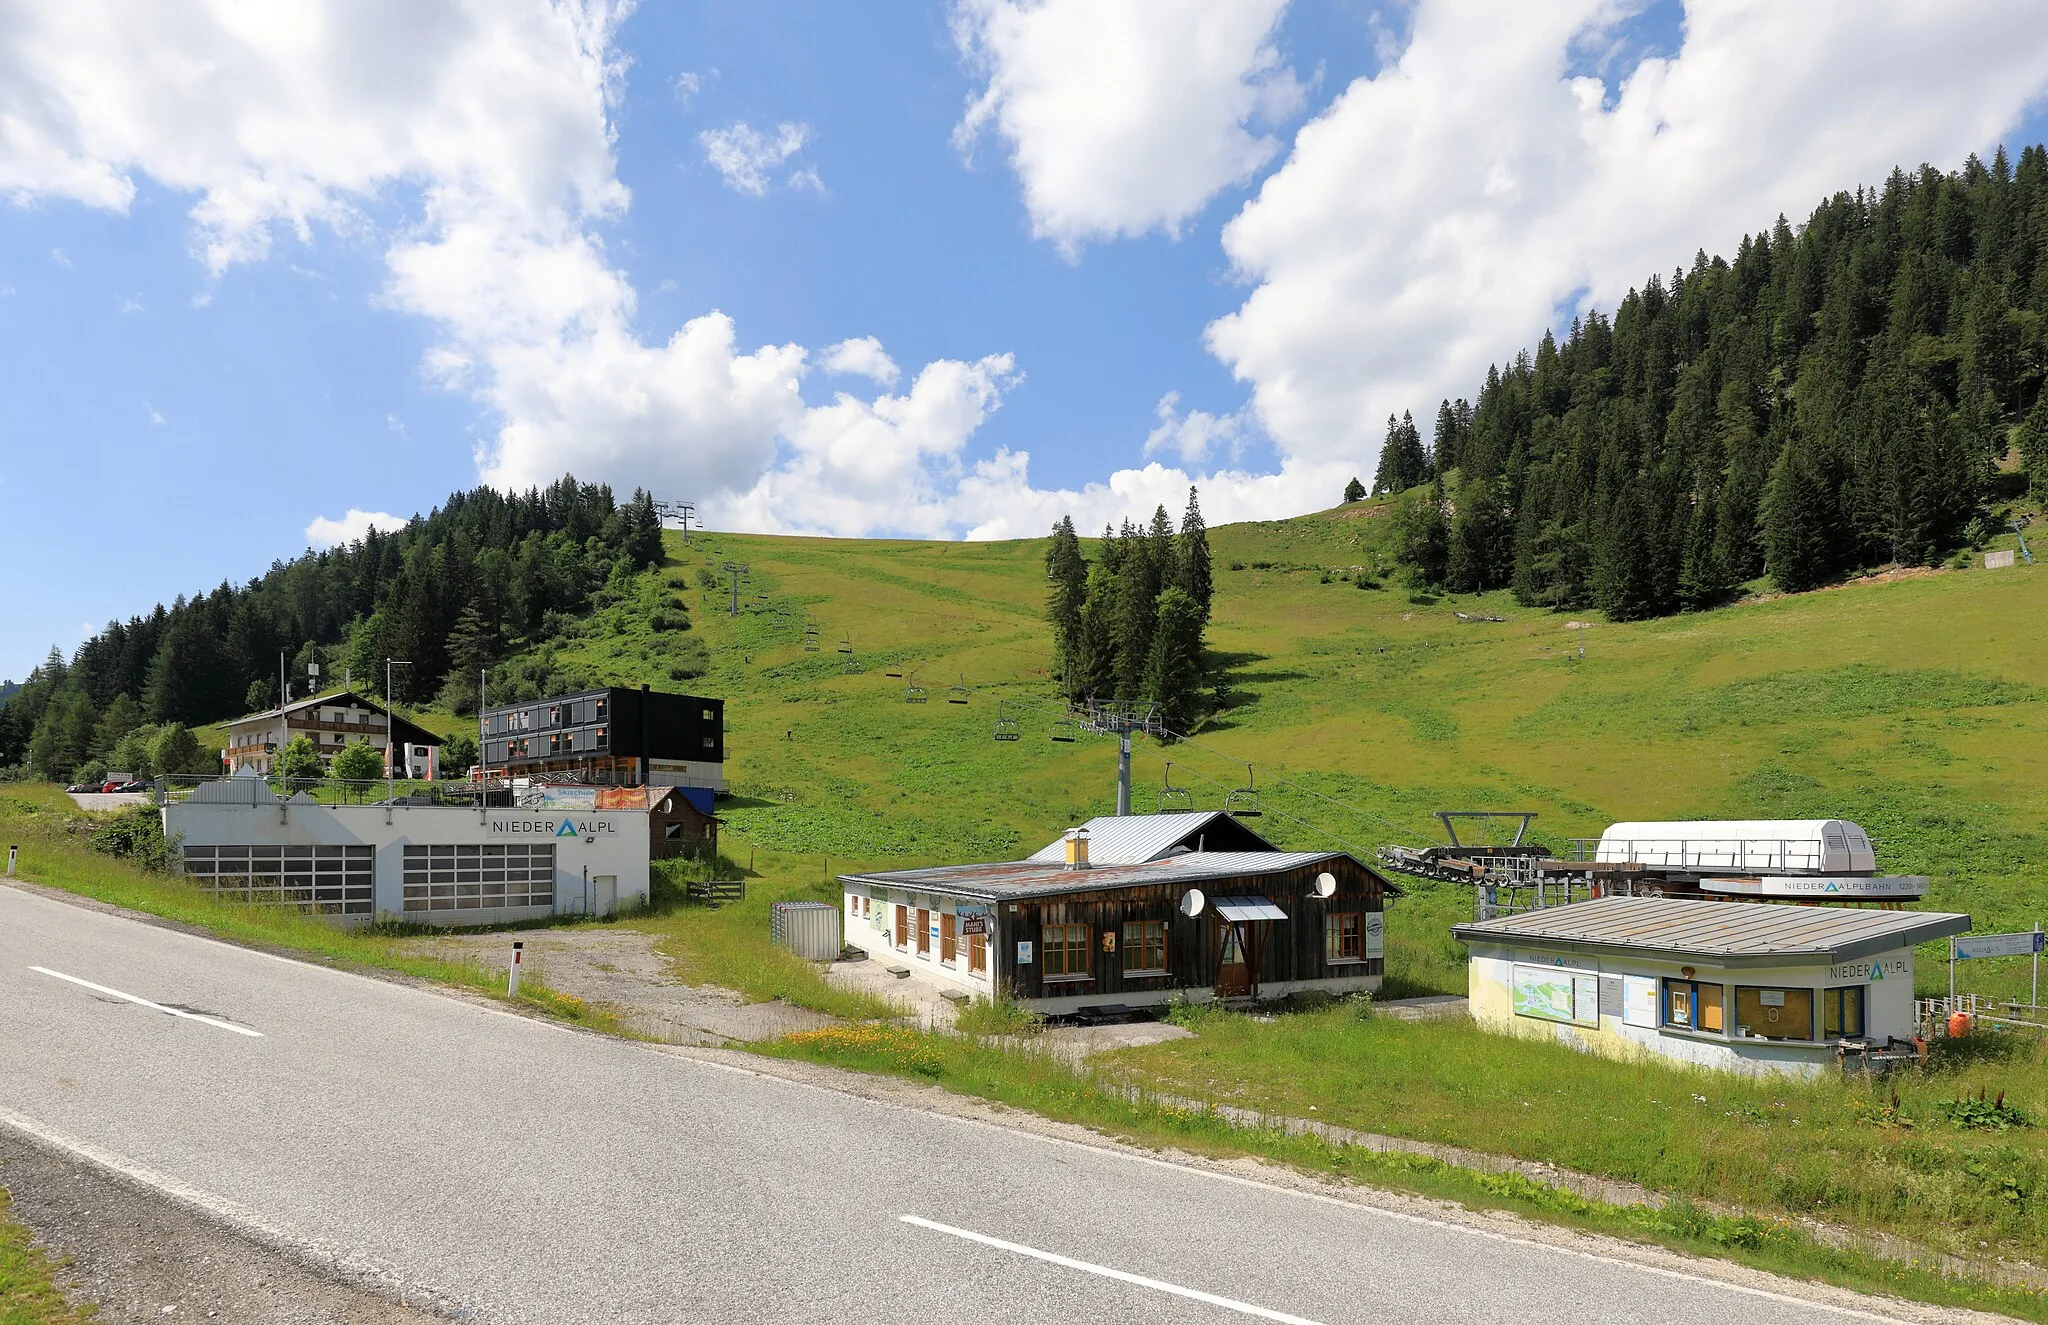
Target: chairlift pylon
(1244, 802)
(1007, 727)
(1174, 799)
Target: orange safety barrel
(1958, 1025)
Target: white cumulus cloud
(862, 356)
(1439, 215)
(747, 158)
(1124, 116)
(1195, 434)
(490, 121)
(327, 531)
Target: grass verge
(28, 1291)
(1120, 1105)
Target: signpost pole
(1951, 973)
(2037, 964)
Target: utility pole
(737, 570)
(678, 511)
(1123, 775)
(390, 751)
(1120, 718)
(483, 741)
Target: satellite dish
(1192, 902)
(1326, 884)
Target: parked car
(108, 788)
(143, 787)
(82, 788)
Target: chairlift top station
(1819, 860)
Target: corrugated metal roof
(1723, 933)
(1130, 838)
(1026, 877)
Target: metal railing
(1688, 855)
(337, 791)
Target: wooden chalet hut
(680, 824)
(1075, 934)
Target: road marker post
(512, 981)
(12, 852)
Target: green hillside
(1914, 704)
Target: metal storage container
(809, 929)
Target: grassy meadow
(1916, 705)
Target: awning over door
(1248, 908)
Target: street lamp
(390, 751)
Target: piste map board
(1552, 993)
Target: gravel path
(620, 969)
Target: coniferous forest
(1130, 624)
(451, 593)
(1838, 397)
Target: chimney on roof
(1077, 848)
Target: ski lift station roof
(1818, 846)
(1015, 879)
(1721, 934)
(1131, 839)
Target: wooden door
(924, 932)
(1233, 977)
(949, 950)
(902, 926)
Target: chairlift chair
(958, 694)
(846, 644)
(913, 693)
(896, 672)
(1174, 799)
(1007, 727)
(1244, 802)
(1063, 730)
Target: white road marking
(154, 1007)
(1230, 1304)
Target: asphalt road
(527, 1173)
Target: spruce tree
(2033, 447)
(1424, 535)
(1799, 519)
(1134, 611)
(1193, 573)
(1403, 461)
(1067, 591)
(1354, 490)
(1445, 445)
(1092, 673)
(1173, 672)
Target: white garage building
(430, 864)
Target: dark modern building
(610, 737)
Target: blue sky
(212, 338)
